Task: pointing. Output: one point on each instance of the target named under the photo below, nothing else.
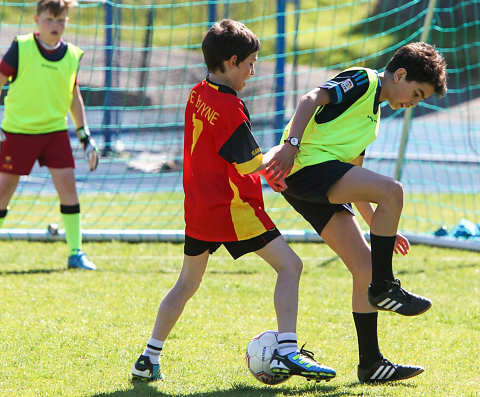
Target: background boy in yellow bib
(42, 71)
(322, 157)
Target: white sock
(154, 349)
(287, 343)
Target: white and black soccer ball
(259, 353)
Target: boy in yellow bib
(42, 71)
(322, 158)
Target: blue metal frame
(278, 119)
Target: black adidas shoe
(397, 300)
(144, 369)
(384, 371)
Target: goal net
(142, 58)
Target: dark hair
(56, 7)
(225, 39)
(423, 64)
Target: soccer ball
(259, 353)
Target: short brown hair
(55, 7)
(423, 64)
(225, 39)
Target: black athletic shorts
(307, 192)
(194, 247)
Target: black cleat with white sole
(398, 300)
(385, 371)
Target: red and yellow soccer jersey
(222, 201)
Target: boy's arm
(277, 185)
(77, 111)
(282, 162)
(3, 81)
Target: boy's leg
(72, 222)
(174, 302)
(288, 266)
(287, 360)
(64, 182)
(359, 185)
(343, 234)
(169, 311)
(3, 214)
(362, 185)
(8, 184)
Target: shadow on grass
(145, 389)
(31, 271)
(443, 268)
(328, 261)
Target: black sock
(368, 350)
(382, 269)
(3, 214)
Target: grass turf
(75, 333)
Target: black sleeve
(241, 147)
(11, 56)
(347, 86)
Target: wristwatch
(293, 141)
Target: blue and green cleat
(145, 370)
(80, 261)
(300, 363)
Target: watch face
(294, 141)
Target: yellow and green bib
(39, 99)
(344, 137)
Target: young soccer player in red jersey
(42, 71)
(323, 154)
(224, 204)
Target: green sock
(3, 214)
(73, 230)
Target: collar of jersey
(220, 87)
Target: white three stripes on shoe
(390, 304)
(383, 372)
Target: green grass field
(74, 333)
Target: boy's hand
(2, 138)
(281, 163)
(401, 245)
(91, 153)
(89, 147)
(277, 186)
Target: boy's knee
(188, 287)
(291, 266)
(397, 192)
(300, 265)
(362, 271)
(297, 265)
(393, 190)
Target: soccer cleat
(144, 369)
(300, 363)
(385, 371)
(397, 300)
(80, 261)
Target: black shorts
(194, 247)
(307, 192)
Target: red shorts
(19, 151)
